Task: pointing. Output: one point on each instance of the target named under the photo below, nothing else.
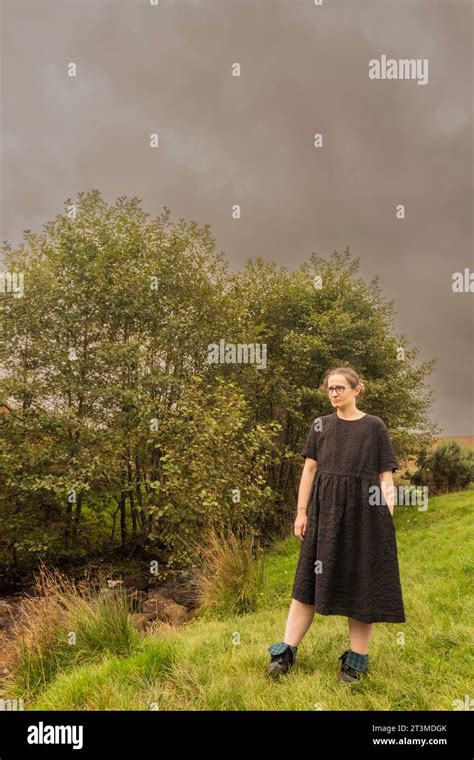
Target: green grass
(63, 628)
(212, 664)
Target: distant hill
(463, 440)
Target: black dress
(348, 561)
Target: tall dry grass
(63, 625)
(231, 576)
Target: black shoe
(353, 666)
(283, 658)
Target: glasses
(338, 388)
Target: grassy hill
(463, 440)
(424, 664)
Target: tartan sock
(357, 661)
(281, 647)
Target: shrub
(448, 468)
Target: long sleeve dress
(348, 561)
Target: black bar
(379, 734)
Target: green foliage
(211, 468)
(450, 467)
(120, 432)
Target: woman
(348, 561)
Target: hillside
(220, 664)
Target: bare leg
(299, 620)
(360, 635)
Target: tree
(121, 430)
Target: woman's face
(340, 392)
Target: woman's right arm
(306, 483)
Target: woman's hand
(300, 525)
(388, 490)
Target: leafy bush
(450, 467)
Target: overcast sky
(249, 140)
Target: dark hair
(352, 377)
